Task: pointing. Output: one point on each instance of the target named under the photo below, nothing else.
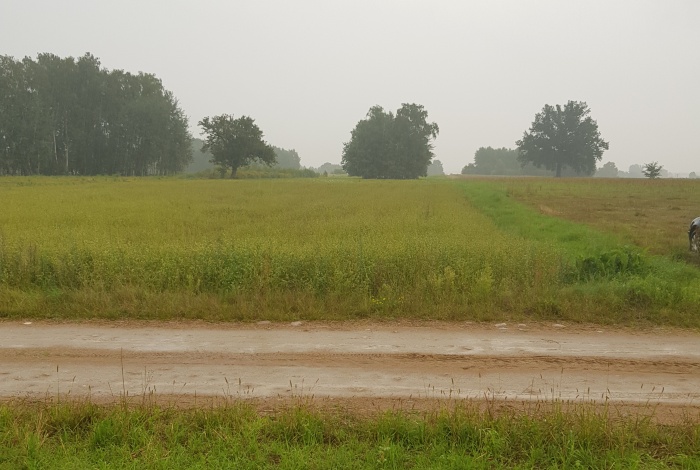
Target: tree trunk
(234, 170)
(558, 170)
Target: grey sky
(308, 70)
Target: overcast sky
(308, 70)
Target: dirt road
(520, 362)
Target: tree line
(66, 116)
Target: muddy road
(380, 360)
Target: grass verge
(85, 435)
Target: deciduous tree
(385, 145)
(563, 136)
(234, 143)
(652, 170)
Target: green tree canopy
(563, 137)
(287, 158)
(652, 170)
(70, 116)
(385, 145)
(234, 143)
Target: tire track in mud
(406, 361)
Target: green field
(328, 249)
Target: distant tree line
(501, 161)
(66, 116)
(202, 160)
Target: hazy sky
(308, 70)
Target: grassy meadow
(329, 249)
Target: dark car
(694, 235)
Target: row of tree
(505, 162)
(563, 140)
(384, 145)
(68, 116)
(203, 161)
(71, 116)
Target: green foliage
(287, 164)
(387, 146)
(330, 169)
(624, 261)
(652, 170)
(500, 161)
(609, 170)
(234, 143)
(563, 137)
(72, 117)
(435, 168)
(287, 159)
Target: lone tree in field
(234, 143)
(563, 137)
(652, 170)
(385, 145)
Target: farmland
(391, 255)
(336, 249)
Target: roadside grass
(323, 249)
(85, 435)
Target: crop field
(339, 249)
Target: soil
(362, 365)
